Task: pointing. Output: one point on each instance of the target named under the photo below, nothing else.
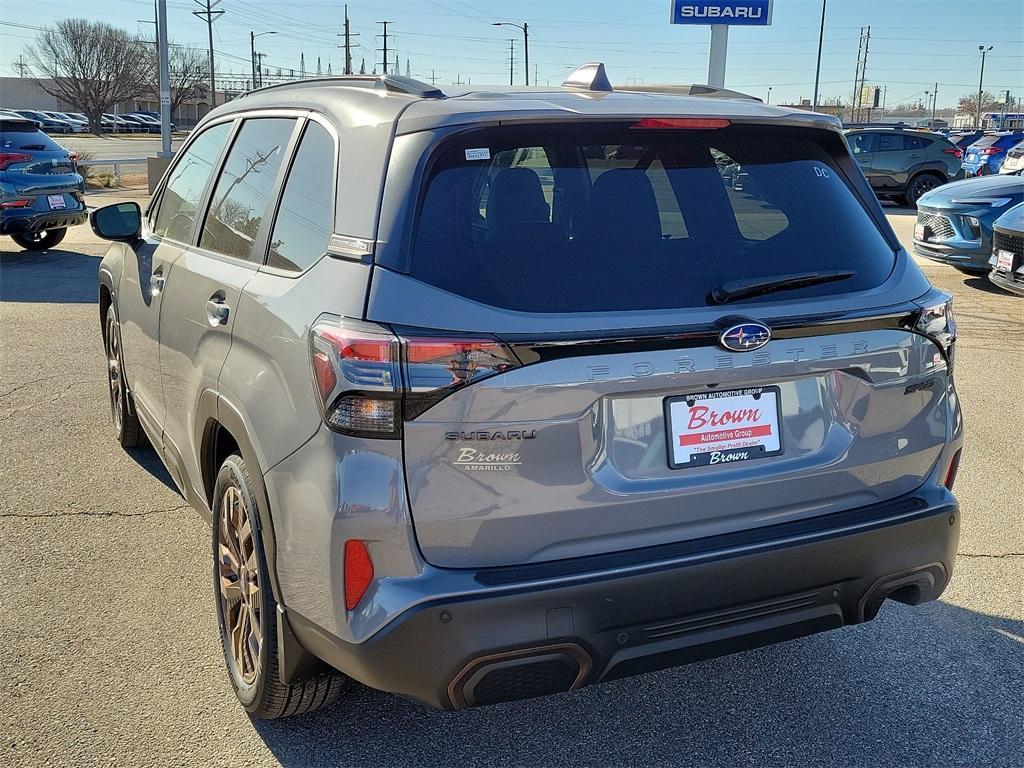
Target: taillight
(991, 150)
(954, 467)
(954, 151)
(15, 203)
(10, 158)
(357, 376)
(936, 321)
(370, 379)
(358, 572)
(690, 123)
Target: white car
(77, 126)
(1014, 159)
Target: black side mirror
(121, 221)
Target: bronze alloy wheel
(239, 586)
(115, 380)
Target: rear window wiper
(754, 286)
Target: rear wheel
(40, 240)
(246, 609)
(921, 184)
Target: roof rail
(590, 77)
(387, 83)
(695, 89)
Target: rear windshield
(19, 134)
(612, 218)
(987, 141)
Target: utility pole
(458, 80)
(935, 96)
(209, 16)
(860, 75)
(981, 79)
(433, 78)
(526, 44)
(348, 45)
(385, 37)
(817, 69)
(259, 68)
(165, 80)
(511, 61)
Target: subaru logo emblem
(744, 337)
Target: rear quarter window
(614, 218)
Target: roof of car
(362, 101)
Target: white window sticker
(479, 153)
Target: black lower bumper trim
(24, 224)
(510, 641)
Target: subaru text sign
(754, 13)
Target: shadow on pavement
(929, 685)
(56, 276)
(147, 458)
(982, 283)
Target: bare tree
(90, 65)
(190, 75)
(968, 103)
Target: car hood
(983, 186)
(1013, 219)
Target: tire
(919, 185)
(246, 611)
(122, 408)
(41, 240)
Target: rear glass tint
(18, 134)
(612, 218)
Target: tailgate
(571, 456)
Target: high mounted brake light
(368, 379)
(685, 123)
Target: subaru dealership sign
(753, 13)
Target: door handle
(156, 283)
(217, 312)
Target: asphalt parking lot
(109, 650)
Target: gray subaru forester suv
(495, 394)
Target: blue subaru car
(41, 191)
(954, 221)
(986, 155)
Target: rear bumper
(546, 628)
(18, 224)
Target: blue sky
(914, 43)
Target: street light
(769, 101)
(526, 42)
(981, 79)
(252, 52)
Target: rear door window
(243, 190)
(304, 221)
(616, 218)
(890, 142)
(176, 215)
(915, 142)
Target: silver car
(490, 394)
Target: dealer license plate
(56, 202)
(1004, 260)
(712, 428)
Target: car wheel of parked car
(122, 410)
(40, 240)
(920, 184)
(246, 610)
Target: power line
(210, 17)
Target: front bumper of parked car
(551, 627)
(955, 241)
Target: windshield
(611, 218)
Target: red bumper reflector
(954, 466)
(691, 123)
(358, 572)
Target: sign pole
(165, 81)
(716, 60)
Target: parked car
(77, 126)
(562, 437)
(41, 191)
(1014, 162)
(48, 124)
(903, 164)
(1007, 262)
(149, 120)
(138, 125)
(964, 139)
(954, 222)
(986, 155)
